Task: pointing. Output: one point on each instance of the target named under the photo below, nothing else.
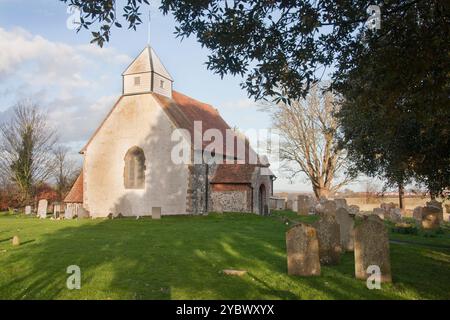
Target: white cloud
(76, 85)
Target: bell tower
(147, 74)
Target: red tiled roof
(234, 173)
(75, 194)
(184, 110)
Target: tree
(26, 144)
(309, 144)
(396, 108)
(65, 170)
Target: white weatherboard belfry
(128, 168)
(147, 73)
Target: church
(128, 166)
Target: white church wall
(137, 120)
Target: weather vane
(148, 30)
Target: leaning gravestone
(328, 233)
(156, 213)
(303, 204)
(28, 210)
(372, 248)
(346, 223)
(302, 251)
(42, 208)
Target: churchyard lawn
(183, 258)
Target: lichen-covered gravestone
(346, 224)
(302, 251)
(328, 233)
(28, 210)
(372, 248)
(42, 208)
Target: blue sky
(77, 83)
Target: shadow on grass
(182, 258)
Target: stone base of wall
(231, 198)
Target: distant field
(371, 203)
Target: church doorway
(262, 200)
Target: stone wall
(231, 198)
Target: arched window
(134, 171)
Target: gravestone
(156, 213)
(42, 208)
(303, 205)
(69, 213)
(289, 204)
(329, 207)
(28, 210)
(417, 213)
(346, 224)
(56, 210)
(372, 248)
(328, 233)
(395, 214)
(302, 251)
(340, 203)
(379, 212)
(387, 206)
(16, 241)
(430, 217)
(353, 209)
(82, 213)
(437, 206)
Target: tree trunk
(321, 192)
(401, 195)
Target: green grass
(182, 258)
